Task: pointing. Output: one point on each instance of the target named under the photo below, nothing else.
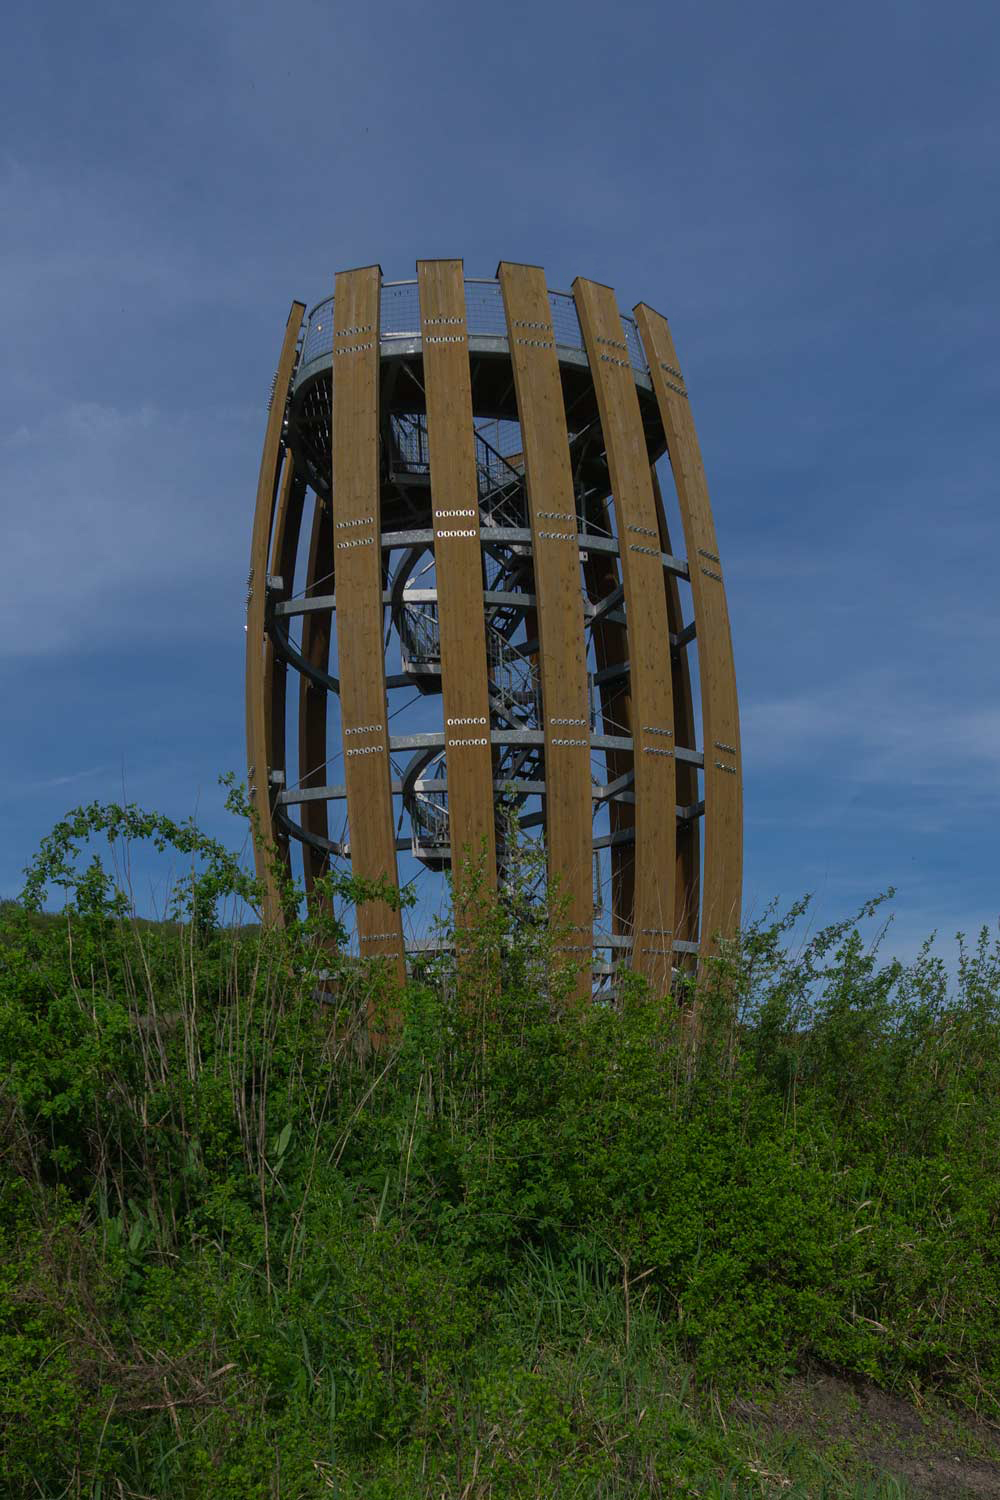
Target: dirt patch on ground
(936, 1452)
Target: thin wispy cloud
(887, 725)
(72, 777)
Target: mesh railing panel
(503, 434)
(429, 821)
(399, 311)
(484, 312)
(400, 318)
(409, 436)
(319, 332)
(565, 323)
(636, 353)
(514, 680)
(566, 326)
(420, 632)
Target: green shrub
(245, 1255)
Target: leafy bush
(510, 1252)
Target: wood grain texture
(316, 632)
(560, 623)
(459, 572)
(687, 893)
(358, 562)
(723, 784)
(287, 525)
(648, 639)
(601, 577)
(258, 707)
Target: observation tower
(464, 550)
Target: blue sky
(811, 195)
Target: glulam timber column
(563, 658)
(459, 573)
(723, 874)
(287, 524)
(260, 681)
(686, 899)
(648, 634)
(358, 562)
(603, 583)
(316, 632)
(505, 440)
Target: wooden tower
(460, 547)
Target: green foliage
(521, 1250)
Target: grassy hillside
(521, 1251)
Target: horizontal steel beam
(337, 791)
(435, 740)
(406, 345)
(410, 596)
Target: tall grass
(522, 1249)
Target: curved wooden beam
(258, 703)
(316, 633)
(287, 524)
(723, 875)
(459, 572)
(686, 902)
(562, 655)
(356, 497)
(646, 622)
(600, 572)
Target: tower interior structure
(486, 605)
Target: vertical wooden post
(459, 570)
(653, 741)
(723, 875)
(563, 660)
(287, 524)
(258, 684)
(316, 633)
(687, 895)
(358, 562)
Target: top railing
(485, 318)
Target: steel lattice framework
(461, 547)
